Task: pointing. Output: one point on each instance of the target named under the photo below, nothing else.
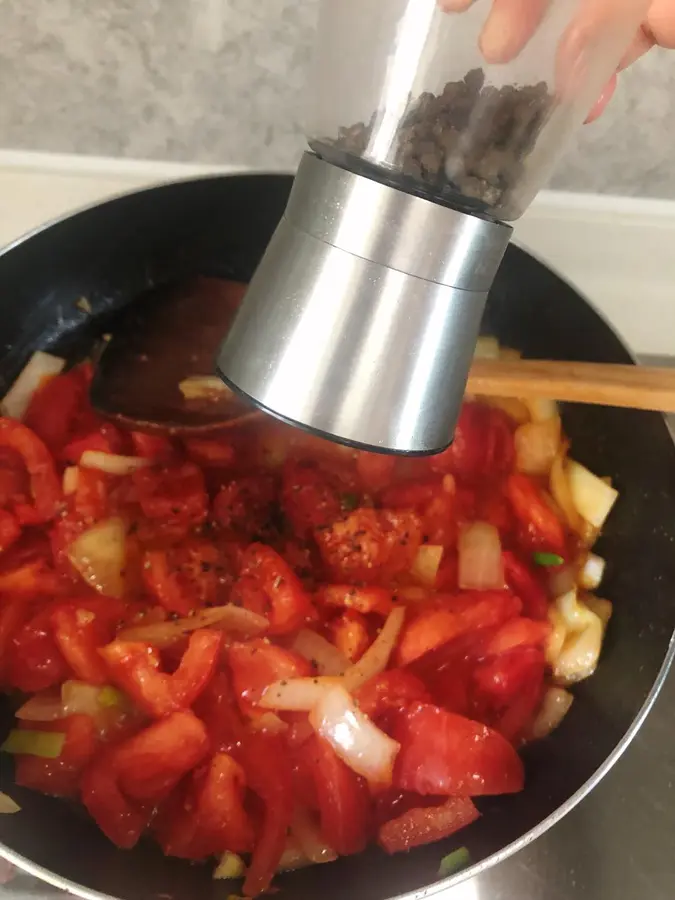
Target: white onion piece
(293, 856)
(593, 498)
(592, 572)
(40, 366)
(224, 618)
(79, 698)
(602, 608)
(229, 866)
(43, 707)
(320, 652)
(295, 694)
(376, 657)
(555, 706)
(268, 722)
(486, 348)
(542, 409)
(514, 409)
(579, 656)
(7, 805)
(426, 563)
(306, 832)
(112, 463)
(556, 638)
(561, 493)
(358, 742)
(71, 477)
(480, 558)
(537, 444)
(99, 555)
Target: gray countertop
(617, 844)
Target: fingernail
(455, 5)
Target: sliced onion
(230, 866)
(99, 555)
(354, 737)
(487, 347)
(306, 832)
(542, 409)
(556, 638)
(295, 694)
(112, 463)
(537, 444)
(43, 707)
(555, 706)
(602, 608)
(593, 498)
(579, 656)
(79, 698)
(270, 723)
(320, 652)
(40, 366)
(560, 489)
(480, 558)
(225, 618)
(376, 657)
(7, 805)
(71, 477)
(203, 387)
(426, 563)
(293, 856)
(592, 571)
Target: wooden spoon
(168, 339)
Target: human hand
(511, 24)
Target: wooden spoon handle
(603, 384)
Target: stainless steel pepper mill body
(361, 320)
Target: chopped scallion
(47, 744)
(110, 696)
(548, 559)
(454, 862)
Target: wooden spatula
(155, 372)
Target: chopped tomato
(309, 497)
(270, 587)
(542, 529)
(257, 664)
(268, 773)
(423, 825)
(152, 446)
(527, 585)
(343, 799)
(412, 494)
(210, 452)
(391, 690)
(90, 500)
(104, 439)
(78, 635)
(364, 599)
(45, 485)
(509, 689)
(217, 708)
(445, 754)
(61, 776)
(482, 446)
(121, 821)
(245, 505)
(10, 530)
(371, 545)
(55, 407)
(35, 661)
(149, 764)
(185, 577)
(174, 495)
(350, 634)
(135, 667)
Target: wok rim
(29, 867)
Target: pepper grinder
(361, 320)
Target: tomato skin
(268, 773)
(393, 689)
(446, 754)
(270, 587)
(482, 447)
(342, 796)
(185, 577)
(525, 583)
(309, 497)
(509, 689)
(541, 527)
(104, 439)
(412, 494)
(257, 664)
(455, 615)
(370, 545)
(45, 485)
(59, 777)
(79, 640)
(217, 708)
(156, 447)
(244, 505)
(35, 661)
(424, 825)
(135, 667)
(149, 764)
(121, 821)
(54, 408)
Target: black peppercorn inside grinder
(427, 136)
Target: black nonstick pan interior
(220, 226)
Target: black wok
(220, 226)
